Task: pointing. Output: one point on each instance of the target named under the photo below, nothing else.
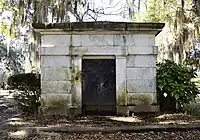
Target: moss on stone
(81, 51)
(57, 102)
(122, 99)
(76, 75)
(138, 99)
(42, 101)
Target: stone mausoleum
(98, 67)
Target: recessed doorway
(98, 86)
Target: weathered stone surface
(55, 50)
(110, 50)
(141, 61)
(91, 50)
(57, 110)
(122, 110)
(102, 26)
(142, 25)
(76, 40)
(121, 80)
(53, 87)
(97, 40)
(141, 99)
(56, 100)
(144, 108)
(56, 74)
(114, 40)
(120, 40)
(59, 104)
(142, 40)
(142, 50)
(76, 95)
(55, 40)
(141, 86)
(55, 61)
(77, 86)
(141, 73)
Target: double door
(98, 86)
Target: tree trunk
(138, 6)
(34, 46)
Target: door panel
(99, 88)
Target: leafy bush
(175, 85)
(27, 91)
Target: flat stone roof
(101, 25)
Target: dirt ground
(178, 135)
(13, 126)
(112, 121)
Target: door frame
(100, 57)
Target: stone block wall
(135, 53)
(55, 73)
(141, 82)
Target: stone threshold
(138, 128)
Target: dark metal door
(98, 86)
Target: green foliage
(157, 10)
(27, 92)
(175, 81)
(181, 30)
(164, 10)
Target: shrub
(27, 91)
(175, 85)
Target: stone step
(4, 92)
